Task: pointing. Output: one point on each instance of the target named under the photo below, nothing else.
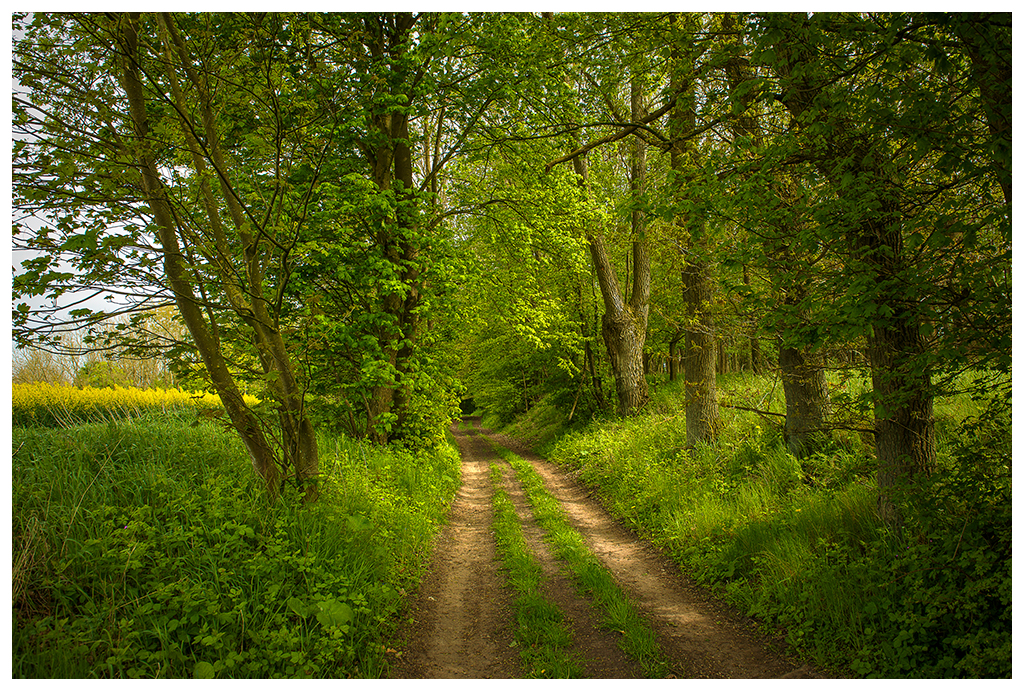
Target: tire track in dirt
(702, 637)
(602, 657)
(462, 618)
(461, 621)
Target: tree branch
(628, 129)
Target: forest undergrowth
(798, 543)
(146, 548)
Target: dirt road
(462, 616)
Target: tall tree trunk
(986, 38)
(673, 355)
(807, 399)
(904, 415)
(803, 375)
(264, 459)
(392, 164)
(244, 289)
(901, 384)
(702, 418)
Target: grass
(799, 543)
(147, 550)
(543, 639)
(592, 579)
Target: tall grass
(800, 544)
(149, 550)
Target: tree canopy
(371, 216)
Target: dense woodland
(368, 220)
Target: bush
(945, 609)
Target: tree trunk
(901, 383)
(807, 399)
(244, 290)
(986, 38)
(673, 356)
(702, 419)
(623, 326)
(392, 163)
(904, 416)
(264, 459)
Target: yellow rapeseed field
(47, 404)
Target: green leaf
(203, 670)
(358, 523)
(334, 613)
(298, 606)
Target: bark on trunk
(904, 415)
(807, 399)
(244, 289)
(904, 421)
(674, 358)
(392, 164)
(623, 326)
(702, 418)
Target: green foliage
(145, 550)
(800, 546)
(946, 609)
(101, 374)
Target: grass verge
(148, 550)
(798, 543)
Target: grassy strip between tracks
(544, 641)
(591, 578)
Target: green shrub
(945, 608)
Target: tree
(702, 417)
(128, 119)
(905, 205)
(624, 323)
(775, 233)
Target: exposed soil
(461, 620)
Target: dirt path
(462, 618)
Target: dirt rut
(461, 619)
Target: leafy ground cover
(799, 545)
(147, 549)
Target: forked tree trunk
(264, 459)
(623, 326)
(244, 290)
